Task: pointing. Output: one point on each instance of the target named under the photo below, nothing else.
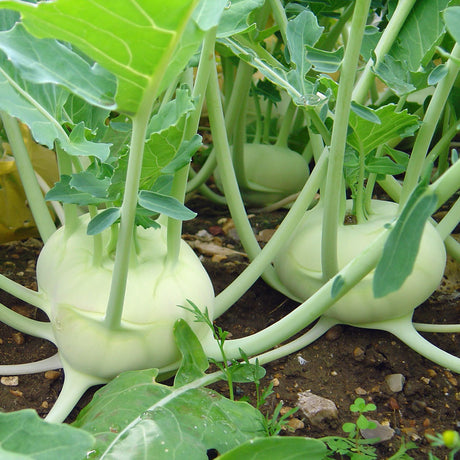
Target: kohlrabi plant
(117, 91)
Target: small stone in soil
(12, 381)
(295, 424)
(17, 393)
(18, 338)
(395, 382)
(316, 408)
(382, 432)
(52, 375)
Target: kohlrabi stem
(286, 123)
(37, 203)
(280, 17)
(442, 145)
(328, 41)
(179, 186)
(453, 248)
(239, 140)
(333, 192)
(224, 158)
(23, 293)
(446, 185)
(235, 290)
(75, 384)
(430, 121)
(308, 311)
(71, 221)
(449, 221)
(114, 310)
(26, 325)
(43, 365)
(205, 172)
(97, 240)
(241, 87)
(389, 35)
(406, 332)
(445, 328)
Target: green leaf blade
(135, 414)
(143, 36)
(24, 435)
(164, 204)
(401, 247)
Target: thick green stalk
(232, 193)
(286, 123)
(446, 185)
(280, 17)
(244, 281)
(179, 186)
(114, 310)
(430, 121)
(199, 178)
(328, 41)
(449, 221)
(333, 192)
(19, 291)
(390, 34)
(71, 221)
(26, 325)
(34, 195)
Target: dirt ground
(344, 364)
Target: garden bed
(344, 364)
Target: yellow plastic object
(16, 221)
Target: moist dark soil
(345, 363)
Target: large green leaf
(133, 39)
(135, 417)
(36, 61)
(24, 435)
(452, 19)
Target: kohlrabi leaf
(367, 135)
(279, 448)
(301, 31)
(143, 37)
(421, 32)
(164, 204)
(437, 74)
(24, 435)
(208, 13)
(235, 18)
(87, 182)
(164, 137)
(273, 70)
(76, 110)
(62, 191)
(49, 61)
(365, 112)
(103, 220)
(396, 75)
(194, 361)
(452, 20)
(403, 242)
(325, 61)
(186, 150)
(135, 414)
(40, 108)
(383, 166)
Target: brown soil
(344, 364)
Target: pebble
(358, 354)
(395, 382)
(382, 432)
(52, 375)
(276, 382)
(295, 424)
(12, 381)
(18, 338)
(45, 404)
(360, 391)
(316, 408)
(333, 333)
(17, 393)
